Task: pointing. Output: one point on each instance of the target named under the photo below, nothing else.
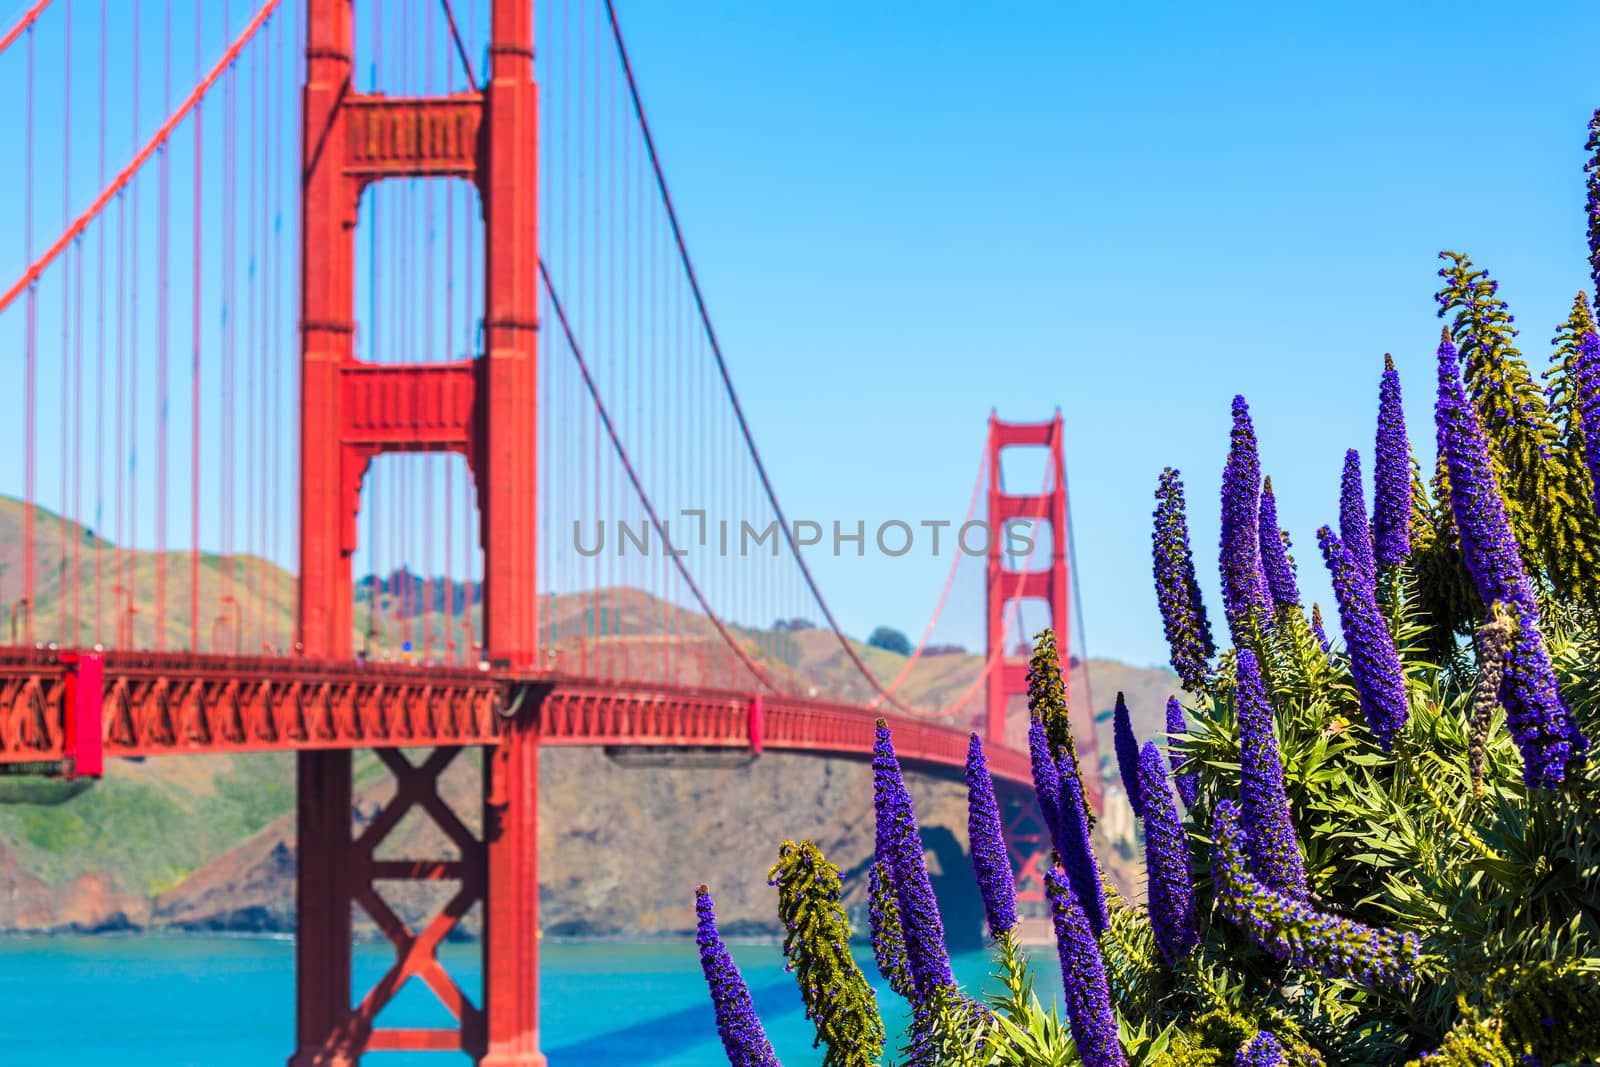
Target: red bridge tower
(351, 411)
(1029, 842)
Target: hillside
(208, 842)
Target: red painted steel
(175, 704)
(64, 712)
(1051, 585)
(323, 887)
(396, 137)
(484, 409)
(755, 724)
(81, 736)
(124, 176)
(23, 23)
(416, 787)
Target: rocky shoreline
(621, 850)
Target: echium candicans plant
(1287, 927)
(1537, 715)
(1273, 844)
(743, 1038)
(1047, 702)
(1540, 481)
(1168, 878)
(1262, 1051)
(1374, 661)
(1080, 861)
(1275, 560)
(1589, 401)
(1083, 976)
(1449, 917)
(1058, 788)
(1391, 493)
(1183, 611)
(1574, 392)
(816, 942)
(1127, 749)
(991, 862)
(1245, 597)
(1355, 531)
(899, 848)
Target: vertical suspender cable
(121, 447)
(65, 515)
(30, 376)
(131, 467)
(163, 229)
(100, 358)
(226, 417)
(194, 375)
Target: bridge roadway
(52, 706)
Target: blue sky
(904, 215)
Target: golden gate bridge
(500, 335)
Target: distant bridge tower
(1050, 584)
(351, 411)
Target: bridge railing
(172, 704)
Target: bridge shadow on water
(661, 1036)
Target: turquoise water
(209, 1002)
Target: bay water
(149, 1001)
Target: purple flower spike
(1374, 661)
(1353, 528)
(1588, 382)
(1539, 720)
(1490, 548)
(1391, 493)
(1078, 856)
(1166, 850)
(899, 846)
(1127, 747)
(1046, 783)
(1188, 784)
(1083, 978)
(990, 860)
(1291, 929)
(1271, 842)
(742, 1037)
(1275, 559)
(1262, 1051)
(1183, 612)
(1244, 586)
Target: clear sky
(905, 214)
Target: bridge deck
(173, 704)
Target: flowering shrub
(1386, 851)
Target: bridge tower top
(483, 408)
(1050, 584)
